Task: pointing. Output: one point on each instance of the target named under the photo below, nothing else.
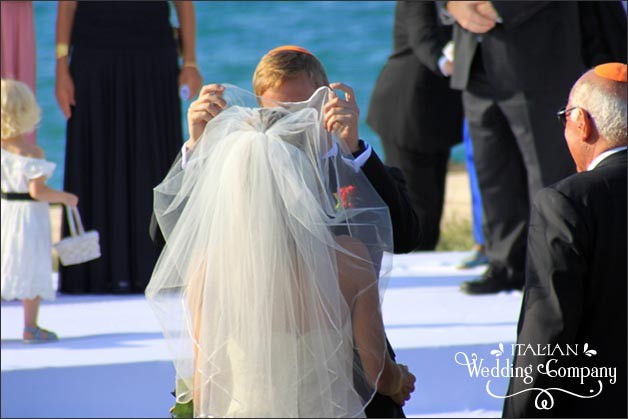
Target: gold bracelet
(62, 50)
(190, 64)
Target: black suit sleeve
(554, 293)
(514, 13)
(391, 187)
(424, 37)
(443, 15)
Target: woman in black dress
(118, 81)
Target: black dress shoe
(491, 282)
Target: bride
(269, 286)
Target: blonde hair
(278, 66)
(20, 111)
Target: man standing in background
(515, 63)
(415, 112)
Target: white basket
(78, 248)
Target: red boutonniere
(346, 198)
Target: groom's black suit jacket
(391, 186)
(575, 293)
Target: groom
(292, 74)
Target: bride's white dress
(265, 265)
(286, 400)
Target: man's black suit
(415, 112)
(390, 185)
(576, 291)
(514, 78)
(603, 32)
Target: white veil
(277, 249)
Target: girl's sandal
(38, 336)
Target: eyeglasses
(563, 112)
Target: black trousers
(518, 148)
(425, 175)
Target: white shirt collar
(332, 151)
(357, 162)
(604, 155)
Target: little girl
(26, 244)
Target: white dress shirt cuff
(441, 65)
(185, 154)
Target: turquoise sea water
(352, 39)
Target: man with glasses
(515, 62)
(575, 291)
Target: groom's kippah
(612, 71)
(293, 48)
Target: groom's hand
(209, 104)
(341, 116)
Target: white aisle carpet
(112, 362)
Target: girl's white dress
(26, 244)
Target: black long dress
(124, 132)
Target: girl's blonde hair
(20, 111)
(282, 64)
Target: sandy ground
(457, 195)
(457, 202)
